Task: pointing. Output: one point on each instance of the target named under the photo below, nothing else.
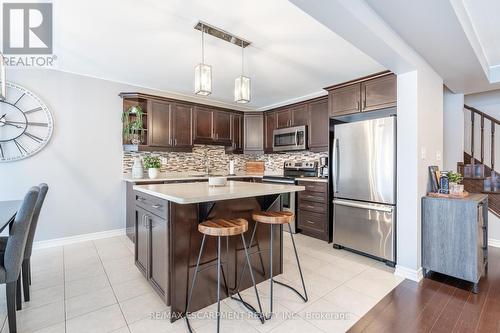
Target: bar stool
(277, 218)
(221, 227)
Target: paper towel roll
(231, 167)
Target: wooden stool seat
(282, 217)
(223, 227)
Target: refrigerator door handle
(363, 206)
(335, 173)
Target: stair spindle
(482, 139)
(472, 138)
(492, 147)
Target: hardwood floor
(439, 304)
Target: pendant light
(203, 72)
(3, 88)
(242, 83)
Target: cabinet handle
(309, 206)
(357, 105)
(364, 100)
(141, 199)
(156, 206)
(310, 222)
(175, 142)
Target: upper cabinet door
(345, 100)
(159, 124)
(269, 127)
(203, 125)
(253, 133)
(283, 118)
(182, 115)
(379, 93)
(300, 115)
(237, 136)
(222, 127)
(319, 129)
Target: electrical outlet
(423, 153)
(438, 156)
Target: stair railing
(494, 122)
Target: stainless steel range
(291, 172)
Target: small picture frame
(434, 178)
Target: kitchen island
(168, 241)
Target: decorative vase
(137, 169)
(153, 173)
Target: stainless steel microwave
(290, 138)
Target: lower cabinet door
(141, 240)
(159, 255)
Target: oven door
(290, 138)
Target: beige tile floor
(95, 287)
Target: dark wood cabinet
(253, 125)
(345, 100)
(182, 133)
(236, 134)
(300, 115)
(203, 125)
(151, 241)
(283, 118)
(269, 127)
(366, 94)
(159, 246)
(141, 241)
(222, 127)
(313, 211)
(379, 93)
(159, 124)
(319, 128)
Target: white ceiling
(484, 16)
(152, 44)
(435, 30)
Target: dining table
(8, 211)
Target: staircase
(480, 175)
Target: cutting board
(255, 167)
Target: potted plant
(133, 126)
(153, 164)
(455, 178)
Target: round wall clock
(26, 124)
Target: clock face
(25, 124)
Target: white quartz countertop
(181, 176)
(187, 193)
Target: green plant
(152, 162)
(134, 126)
(455, 177)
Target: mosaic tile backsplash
(217, 159)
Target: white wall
(83, 161)
(420, 144)
(453, 131)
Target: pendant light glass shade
(203, 79)
(242, 86)
(203, 72)
(242, 89)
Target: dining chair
(26, 264)
(10, 265)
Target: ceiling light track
(221, 34)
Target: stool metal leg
(271, 274)
(193, 282)
(218, 284)
(260, 313)
(304, 297)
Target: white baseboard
(408, 273)
(78, 238)
(494, 242)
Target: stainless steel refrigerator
(363, 162)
